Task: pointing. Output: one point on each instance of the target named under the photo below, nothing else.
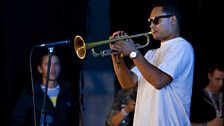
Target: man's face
(55, 68)
(161, 24)
(216, 80)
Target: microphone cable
(32, 83)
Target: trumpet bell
(80, 47)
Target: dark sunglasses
(155, 20)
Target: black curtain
(26, 23)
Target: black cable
(32, 83)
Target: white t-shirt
(170, 105)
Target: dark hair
(215, 66)
(43, 52)
(170, 7)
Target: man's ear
(39, 69)
(209, 76)
(174, 19)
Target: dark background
(26, 23)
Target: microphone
(54, 43)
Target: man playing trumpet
(164, 76)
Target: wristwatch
(133, 54)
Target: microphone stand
(43, 110)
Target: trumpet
(81, 47)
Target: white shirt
(169, 106)
(52, 93)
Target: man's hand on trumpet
(124, 47)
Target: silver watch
(133, 54)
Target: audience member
(122, 110)
(61, 105)
(207, 104)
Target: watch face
(133, 55)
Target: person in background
(62, 107)
(164, 76)
(122, 110)
(207, 107)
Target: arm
(126, 78)
(152, 74)
(80, 120)
(118, 117)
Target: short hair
(215, 66)
(170, 7)
(43, 52)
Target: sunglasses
(155, 20)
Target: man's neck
(51, 84)
(211, 89)
(171, 37)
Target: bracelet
(123, 112)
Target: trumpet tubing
(81, 47)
